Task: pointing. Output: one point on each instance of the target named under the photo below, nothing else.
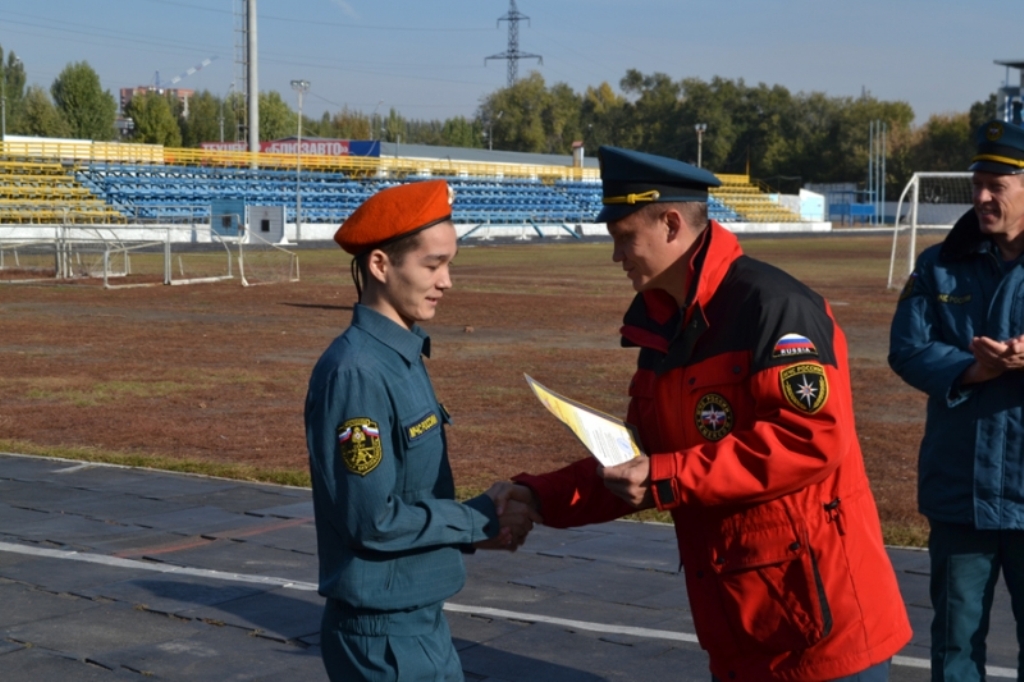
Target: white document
(612, 441)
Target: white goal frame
(901, 261)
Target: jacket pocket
(772, 593)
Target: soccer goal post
(930, 200)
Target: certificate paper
(610, 440)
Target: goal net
(261, 262)
(930, 200)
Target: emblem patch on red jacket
(805, 387)
(793, 344)
(359, 441)
(714, 417)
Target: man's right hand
(517, 512)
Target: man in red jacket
(743, 404)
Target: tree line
(783, 138)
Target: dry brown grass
(212, 377)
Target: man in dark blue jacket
(958, 335)
(390, 536)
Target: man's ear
(675, 223)
(378, 265)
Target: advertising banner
(313, 146)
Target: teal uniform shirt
(389, 534)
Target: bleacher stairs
(41, 192)
(749, 202)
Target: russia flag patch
(793, 344)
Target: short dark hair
(695, 213)
(396, 251)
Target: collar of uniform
(711, 263)
(965, 239)
(409, 343)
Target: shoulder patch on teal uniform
(805, 387)
(424, 425)
(359, 441)
(908, 288)
(714, 416)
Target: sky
(426, 58)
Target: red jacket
(743, 401)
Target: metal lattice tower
(512, 54)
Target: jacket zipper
(835, 515)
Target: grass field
(211, 378)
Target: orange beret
(395, 212)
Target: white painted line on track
(105, 560)
(118, 562)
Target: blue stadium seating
(151, 192)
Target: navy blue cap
(631, 180)
(1000, 149)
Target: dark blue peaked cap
(1000, 149)
(631, 180)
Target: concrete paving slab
(240, 499)
(276, 614)
(125, 508)
(212, 653)
(172, 594)
(469, 630)
(43, 495)
(14, 517)
(273, 634)
(92, 634)
(31, 664)
(243, 557)
(56, 575)
(24, 604)
(291, 510)
(142, 482)
(195, 520)
(606, 582)
(14, 467)
(625, 550)
(297, 535)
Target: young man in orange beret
(390, 536)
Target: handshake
(517, 512)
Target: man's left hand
(630, 481)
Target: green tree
(154, 121)
(38, 117)
(203, 122)
(277, 120)
(88, 109)
(982, 112)
(13, 88)
(462, 132)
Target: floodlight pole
(301, 87)
(701, 128)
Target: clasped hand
(992, 358)
(517, 512)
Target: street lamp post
(301, 87)
(701, 128)
(490, 130)
(3, 97)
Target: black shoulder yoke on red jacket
(756, 308)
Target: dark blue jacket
(389, 533)
(971, 466)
